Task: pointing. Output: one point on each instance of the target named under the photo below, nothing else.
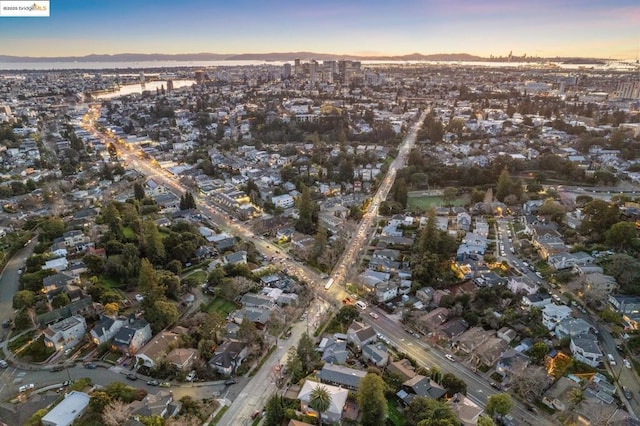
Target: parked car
(132, 376)
(67, 383)
(450, 357)
(165, 385)
(57, 368)
(626, 363)
(153, 383)
(91, 366)
(3, 363)
(495, 386)
(230, 382)
(626, 392)
(25, 388)
(191, 376)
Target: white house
(553, 314)
(522, 286)
(66, 333)
(64, 414)
(584, 348)
(57, 265)
(106, 328)
(284, 201)
(333, 414)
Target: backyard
(427, 202)
(221, 306)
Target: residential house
(339, 375)
(260, 301)
(584, 348)
(489, 351)
(334, 349)
(511, 362)
(338, 395)
(536, 300)
(599, 283)
(386, 291)
(569, 327)
(434, 319)
(468, 341)
(463, 221)
(624, 304)
(228, 357)
(507, 334)
(68, 410)
(403, 368)
(160, 404)
(132, 336)
(57, 265)
(66, 333)
(467, 411)
(552, 315)
(452, 329)
(182, 358)
(284, 201)
(556, 397)
(156, 349)
(57, 281)
(236, 258)
(106, 328)
(376, 354)
(522, 285)
(420, 386)
(359, 334)
(567, 260)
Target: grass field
(425, 203)
(221, 306)
(109, 282)
(199, 276)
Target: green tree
(575, 397)
(52, 228)
(453, 384)
(60, 300)
(400, 192)
(307, 212)
(23, 299)
(599, 216)
(98, 401)
(151, 244)
(538, 351)
(428, 412)
(320, 400)
(307, 354)
(504, 185)
(347, 314)
(373, 404)
(485, 421)
(553, 209)
(274, 411)
(621, 235)
(449, 195)
(138, 191)
(499, 403)
(161, 315)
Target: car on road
(132, 376)
(6, 323)
(165, 385)
(495, 385)
(25, 388)
(230, 382)
(626, 392)
(91, 366)
(360, 304)
(374, 315)
(153, 383)
(3, 363)
(626, 363)
(57, 368)
(611, 359)
(348, 301)
(450, 357)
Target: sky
(545, 28)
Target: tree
(553, 209)
(60, 300)
(538, 351)
(274, 411)
(530, 383)
(307, 354)
(23, 299)
(151, 244)
(485, 421)
(453, 384)
(116, 413)
(426, 411)
(575, 397)
(621, 235)
(138, 191)
(449, 195)
(599, 217)
(400, 192)
(499, 403)
(320, 401)
(99, 401)
(373, 404)
(347, 314)
(307, 212)
(52, 228)
(111, 309)
(504, 185)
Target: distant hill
(274, 56)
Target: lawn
(428, 202)
(109, 282)
(37, 351)
(221, 306)
(20, 341)
(393, 415)
(199, 276)
(128, 233)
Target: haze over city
(592, 28)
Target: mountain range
(275, 56)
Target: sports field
(425, 203)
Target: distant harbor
(129, 89)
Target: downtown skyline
(588, 28)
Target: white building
(66, 333)
(64, 414)
(553, 314)
(584, 348)
(284, 201)
(339, 395)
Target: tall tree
(307, 353)
(373, 404)
(152, 245)
(307, 213)
(621, 235)
(504, 185)
(275, 411)
(499, 403)
(320, 401)
(400, 192)
(138, 191)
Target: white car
(450, 357)
(374, 315)
(25, 388)
(626, 363)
